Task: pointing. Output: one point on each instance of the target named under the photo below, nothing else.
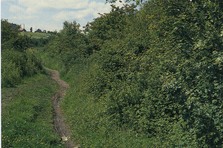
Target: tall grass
(27, 119)
(84, 114)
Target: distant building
(39, 30)
(22, 28)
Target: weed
(27, 114)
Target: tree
(9, 31)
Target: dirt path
(60, 126)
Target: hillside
(36, 35)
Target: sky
(50, 14)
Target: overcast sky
(50, 14)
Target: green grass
(88, 127)
(27, 114)
(83, 113)
(36, 35)
(47, 60)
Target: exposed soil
(58, 119)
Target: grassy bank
(83, 113)
(36, 35)
(27, 114)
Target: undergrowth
(83, 113)
(27, 119)
(144, 77)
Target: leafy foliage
(156, 70)
(8, 31)
(18, 60)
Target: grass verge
(27, 114)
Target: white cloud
(50, 14)
(57, 4)
(63, 15)
(7, 1)
(16, 9)
(20, 13)
(91, 9)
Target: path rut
(58, 119)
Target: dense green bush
(157, 70)
(10, 73)
(39, 42)
(8, 31)
(18, 61)
(17, 65)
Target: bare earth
(58, 119)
